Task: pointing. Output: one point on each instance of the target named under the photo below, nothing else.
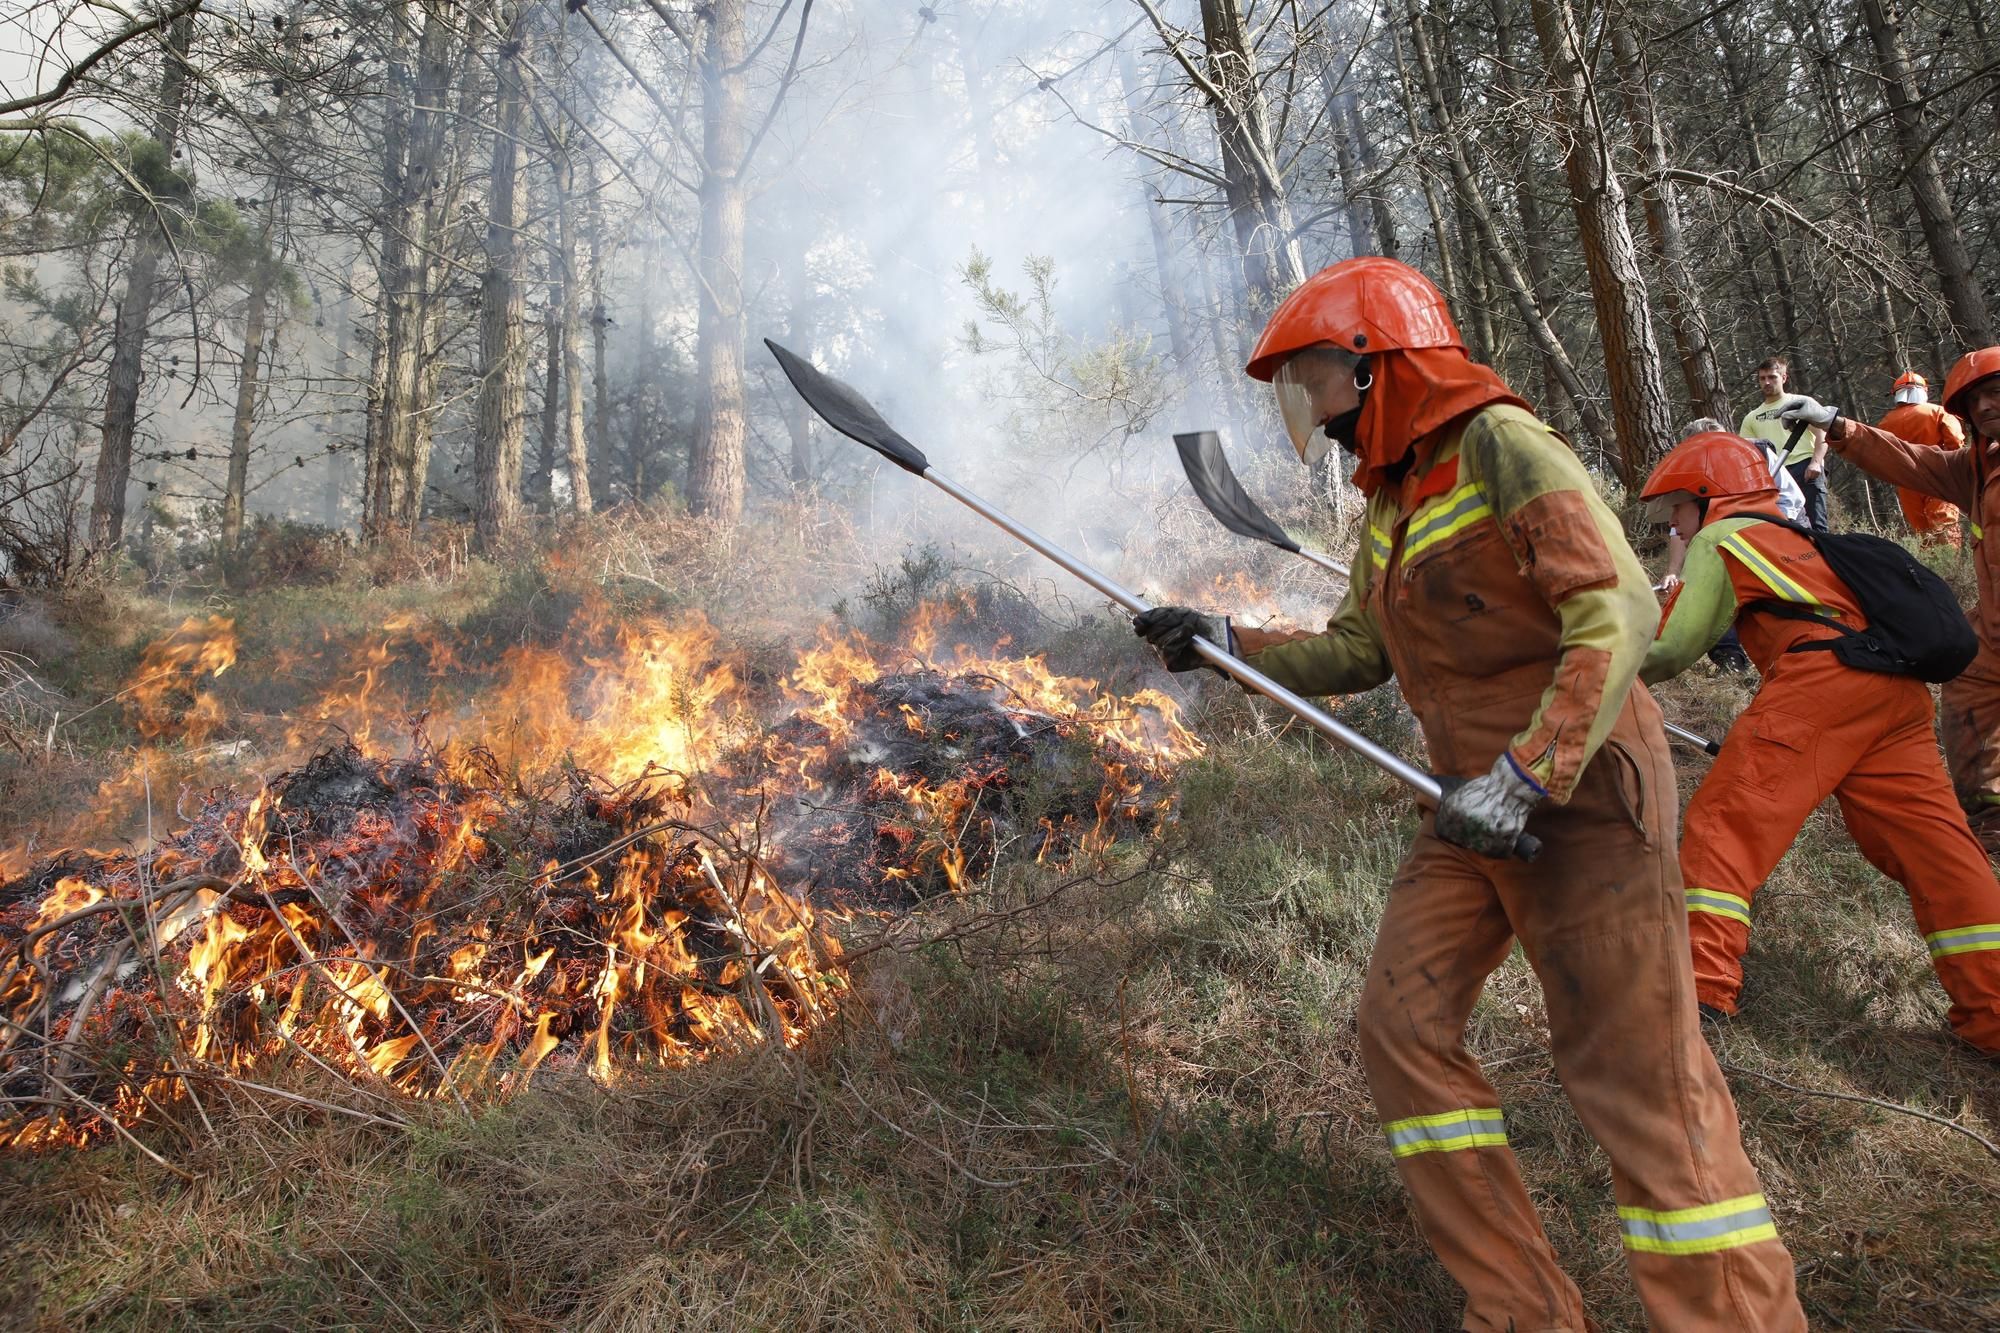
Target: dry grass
(1133, 1101)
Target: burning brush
(453, 920)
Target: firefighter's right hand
(1486, 815)
(1172, 631)
(1797, 409)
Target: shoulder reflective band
(1768, 573)
(1380, 541)
(1964, 939)
(1717, 903)
(1719, 1226)
(1447, 1132)
(1454, 513)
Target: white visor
(1916, 393)
(1295, 407)
(1660, 508)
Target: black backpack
(1915, 626)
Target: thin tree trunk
(1447, 271)
(135, 316)
(799, 336)
(502, 378)
(544, 491)
(256, 308)
(1682, 294)
(600, 321)
(1738, 79)
(576, 444)
(1258, 209)
(1387, 241)
(1963, 299)
(1527, 207)
(1171, 304)
(1509, 268)
(715, 471)
(1640, 413)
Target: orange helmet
(1910, 379)
(1707, 466)
(1969, 370)
(1365, 304)
(1910, 387)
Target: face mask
(1341, 429)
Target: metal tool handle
(1427, 785)
(1694, 738)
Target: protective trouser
(1600, 917)
(1823, 729)
(1969, 725)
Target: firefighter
(1920, 421)
(1817, 728)
(1968, 478)
(1493, 584)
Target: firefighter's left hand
(1487, 814)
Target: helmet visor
(1913, 393)
(1660, 508)
(1293, 385)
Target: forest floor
(1121, 1094)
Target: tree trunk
(412, 225)
(1172, 306)
(497, 445)
(799, 336)
(1504, 263)
(1347, 161)
(544, 492)
(1386, 240)
(1527, 207)
(600, 321)
(135, 316)
(1838, 120)
(1963, 299)
(576, 445)
(1255, 193)
(1740, 83)
(1640, 413)
(1682, 295)
(715, 471)
(256, 308)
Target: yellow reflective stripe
(1769, 574)
(1380, 540)
(1964, 939)
(1447, 1131)
(1977, 531)
(1453, 514)
(1717, 903)
(1716, 1226)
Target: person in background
(1498, 590)
(1969, 478)
(1806, 460)
(1728, 651)
(1817, 728)
(1920, 421)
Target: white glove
(1795, 408)
(1487, 814)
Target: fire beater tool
(850, 414)
(1208, 471)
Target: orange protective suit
(1499, 592)
(1932, 519)
(1818, 728)
(1969, 719)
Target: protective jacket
(1818, 728)
(1968, 478)
(1934, 520)
(1499, 591)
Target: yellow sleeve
(1701, 610)
(1570, 546)
(1346, 659)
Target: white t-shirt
(1791, 500)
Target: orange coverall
(1934, 520)
(1970, 716)
(1500, 593)
(1818, 728)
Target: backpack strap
(1792, 610)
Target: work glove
(1172, 631)
(1795, 408)
(1487, 814)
